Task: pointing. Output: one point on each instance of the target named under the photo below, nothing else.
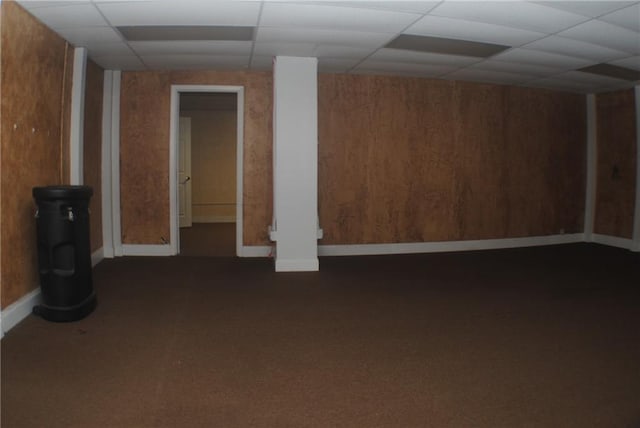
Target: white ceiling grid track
(578, 46)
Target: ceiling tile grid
(544, 43)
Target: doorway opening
(207, 147)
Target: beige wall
(213, 165)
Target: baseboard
(446, 246)
(256, 251)
(213, 219)
(97, 256)
(297, 265)
(613, 241)
(148, 250)
(19, 310)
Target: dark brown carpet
(208, 240)
(540, 337)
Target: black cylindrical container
(64, 252)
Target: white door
(184, 172)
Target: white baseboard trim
(445, 246)
(20, 309)
(97, 256)
(297, 265)
(613, 241)
(256, 251)
(147, 250)
(214, 219)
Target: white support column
(107, 223)
(115, 163)
(592, 169)
(77, 116)
(636, 219)
(295, 156)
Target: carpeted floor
(539, 337)
(208, 240)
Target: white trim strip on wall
(446, 246)
(636, 218)
(147, 250)
(612, 241)
(20, 309)
(257, 251)
(23, 307)
(592, 168)
(239, 170)
(115, 164)
(97, 256)
(77, 116)
(107, 213)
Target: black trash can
(64, 252)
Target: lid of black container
(62, 192)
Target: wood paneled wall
(144, 147)
(400, 159)
(616, 182)
(144, 157)
(416, 160)
(92, 149)
(33, 109)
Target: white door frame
(176, 90)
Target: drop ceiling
(549, 44)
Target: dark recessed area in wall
(615, 71)
(445, 46)
(186, 32)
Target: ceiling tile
(335, 65)
(445, 46)
(516, 14)
(395, 5)
(560, 85)
(342, 52)
(334, 17)
(69, 16)
(513, 67)
(35, 4)
(545, 59)
(311, 35)
(592, 79)
(192, 47)
(468, 30)
(86, 36)
(631, 62)
(591, 82)
(576, 48)
(431, 70)
(243, 13)
(614, 71)
(261, 62)
(410, 57)
(119, 62)
(288, 49)
(186, 32)
(628, 18)
(109, 49)
(588, 8)
(605, 34)
(471, 74)
(187, 62)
